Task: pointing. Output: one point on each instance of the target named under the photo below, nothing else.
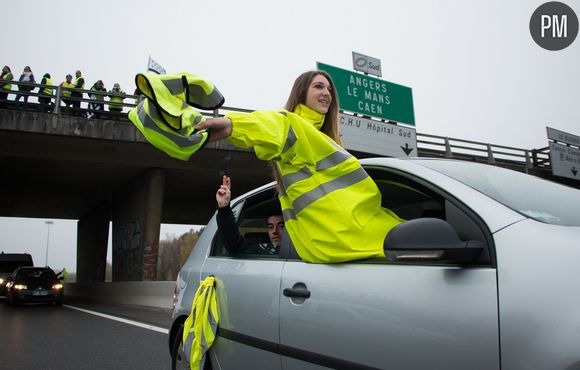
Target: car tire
(178, 359)
(11, 301)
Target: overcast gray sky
(475, 71)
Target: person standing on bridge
(99, 97)
(5, 87)
(116, 99)
(316, 176)
(26, 76)
(79, 84)
(45, 93)
(66, 93)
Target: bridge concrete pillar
(92, 239)
(137, 209)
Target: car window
(411, 198)
(252, 215)
(44, 274)
(536, 198)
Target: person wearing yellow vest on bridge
(78, 84)
(116, 98)
(65, 93)
(5, 86)
(316, 176)
(45, 93)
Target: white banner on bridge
(376, 137)
(565, 161)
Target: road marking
(126, 321)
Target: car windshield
(44, 274)
(531, 196)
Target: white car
(483, 275)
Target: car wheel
(11, 300)
(178, 359)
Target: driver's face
(275, 228)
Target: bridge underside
(96, 171)
(52, 176)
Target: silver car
(483, 275)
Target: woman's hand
(219, 128)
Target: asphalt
(149, 315)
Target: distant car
(483, 275)
(34, 285)
(10, 262)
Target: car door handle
(301, 292)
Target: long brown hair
(298, 94)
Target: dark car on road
(34, 285)
(10, 262)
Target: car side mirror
(429, 240)
(61, 278)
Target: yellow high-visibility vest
(332, 208)
(47, 90)
(7, 86)
(66, 93)
(115, 100)
(166, 117)
(82, 86)
(200, 327)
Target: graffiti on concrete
(128, 238)
(126, 251)
(150, 256)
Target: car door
(380, 315)
(248, 292)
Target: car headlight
(57, 286)
(20, 286)
(1, 281)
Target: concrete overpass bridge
(95, 171)
(56, 165)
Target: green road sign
(371, 96)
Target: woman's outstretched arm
(219, 128)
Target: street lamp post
(48, 223)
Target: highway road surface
(80, 335)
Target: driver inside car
(230, 235)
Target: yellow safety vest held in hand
(166, 117)
(200, 327)
(332, 208)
